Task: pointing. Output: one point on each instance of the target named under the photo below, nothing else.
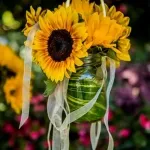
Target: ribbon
(56, 102)
(96, 127)
(67, 3)
(103, 7)
(95, 133)
(55, 106)
(110, 84)
(94, 138)
(27, 75)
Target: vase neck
(92, 59)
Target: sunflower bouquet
(74, 45)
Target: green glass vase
(83, 86)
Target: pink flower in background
(37, 99)
(116, 143)
(144, 122)
(29, 146)
(84, 138)
(8, 128)
(143, 119)
(84, 126)
(18, 118)
(37, 105)
(110, 115)
(33, 131)
(42, 131)
(112, 129)
(123, 8)
(131, 76)
(45, 144)
(127, 98)
(147, 125)
(39, 108)
(11, 142)
(124, 133)
(34, 135)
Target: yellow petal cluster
(9, 59)
(102, 31)
(83, 7)
(123, 43)
(115, 37)
(13, 92)
(13, 86)
(32, 18)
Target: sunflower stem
(67, 3)
(103, 7)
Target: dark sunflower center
(6, 73)
(60, 45)
(12, 92)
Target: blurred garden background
(129, 116)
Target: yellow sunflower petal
(126, 32)
(28, 15)
(112, 11)
(39, 9)
(125, 21)
(79, 31)
(78, 62)
(83, 7)
(32, 18)
(124, 57)
(32, 11)
(118, 16)
(67, 74)
(43, 25)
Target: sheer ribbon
(55, 107)
(96, 127)
(27, 75)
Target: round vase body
(83, 86)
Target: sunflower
(123, 43)
(13, 92)
(58, 44)
(7, 56)
(83, 7)
(102, 31)
(113, 14)
(32, 18)
(107, 33)
(116, 15)
(114, 37)
(13, 85)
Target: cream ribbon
(56, 103)
(27, 75)
(95, 131)
(110, 84)
(94, 128)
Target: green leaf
(50, 87)
(112, 54)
